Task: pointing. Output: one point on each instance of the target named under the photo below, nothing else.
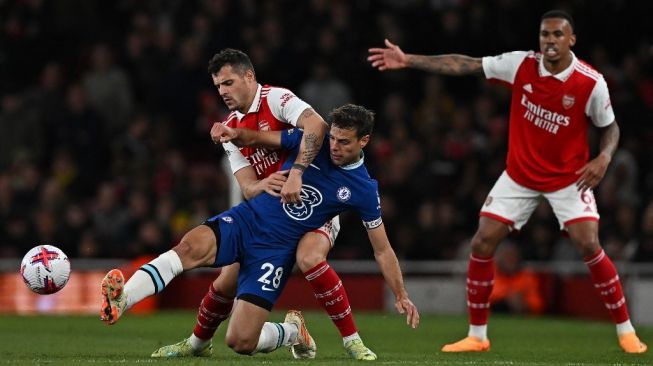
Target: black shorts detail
(215, 226)
(256, 300)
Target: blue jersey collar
(355, 165)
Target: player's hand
(405, 306)
(388, 58)
(274, 182)
(290, 192)
(592, 173)
(221, 133)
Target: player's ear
(364, 140)
(572, 40)
(249, 75)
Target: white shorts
(330, 229)
(513, 204)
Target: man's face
(345, 148)
(235, 89)
(556, 39)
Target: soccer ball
(45, 269)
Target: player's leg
(606, 280)
(480, 279)
(216, 305)
(328, 288)
(214, 308)
(263, 275)
(197, 248)
(508, 206)
(249, 332)
(577, 213)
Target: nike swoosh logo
(265, 288)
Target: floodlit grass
(66, 340)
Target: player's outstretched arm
(245, 137)
(392, 57)
(387, 259)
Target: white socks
(625, 327)
(152, 277)
(478, 331)
(350, 337)
(198, 343)
(275, 335)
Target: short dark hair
(559, 14)
(353, 117)
(229, 56)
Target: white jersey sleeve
(285, 105)
(503, 67)
(237, 160)
(599, 107)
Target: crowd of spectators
(106, 108)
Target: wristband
(299, 167)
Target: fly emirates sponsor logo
(263, 159)
(542, 117)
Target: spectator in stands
(516, 288)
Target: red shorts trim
(498, 218)
(327, 236)
(580, 219)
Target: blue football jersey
(327, 190)
(262, 233)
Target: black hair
(229, 56)
(559, 14)
(353, 117)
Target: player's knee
(192, 253)
(224, 287)
(309, 260)
(588, 246)
(312, 250)
(483, 244)
(241, 345)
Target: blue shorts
(264, 266)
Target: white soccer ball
(45, 269)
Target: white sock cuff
(275, 335)
(350, 337)
(478, 331)
(625, 327)
(175, 262)
(197, 343)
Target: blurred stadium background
(105, 152)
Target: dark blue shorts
(264, 267)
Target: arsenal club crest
(568, 101)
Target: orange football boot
(631, 344)
(469, 344)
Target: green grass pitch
(65, 340)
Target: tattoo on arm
(609, 139)
(313, 136)
(447, 64)
(307, 113)
(311, 147)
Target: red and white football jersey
(273, 109)
(549, 117)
